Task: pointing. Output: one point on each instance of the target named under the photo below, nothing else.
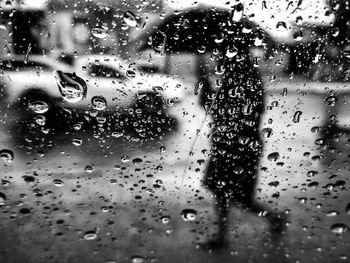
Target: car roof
(33, 61)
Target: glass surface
(174, 131)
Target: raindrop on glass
(339, 228)
(273, 156)
(99, 32)
(98, 103)
(6, 155)
(89, 169)
(231, 51)
(90, 235)
(198, 87)
(58, 182)
(77, 142)
(189, 214)
(266, 132)
(40, 120)
(71, 87)
(125, 158)
(2, 198)
(130, 19)
(130, 73)
(347, 209)
(237, 12)
(137, 259)
(39, 107)
(331, 100)
(137, 161)
(281, 26)
(165, 219)
(296, 116)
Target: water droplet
(39, 107)
(58, 182)
(71, 87)
(274, 183)
(137, 259)
(237, 12)
(247, 28)
(98, 103)
(165, 219)
(266, 132)
(302, 200)
(162, 149)
(273, 156)
(77, 142)
(298, 36)
(346, 51)
(335, 31)
(231, 51)
(89, 169)
(130, 19)
(90, 235)
(320, 141)
(99, 32)
(189, 214)
(331, 100)
(77, 126)
(125, 158)
(40, 120)
(137, 161)
(198, 87)
(202, 49)
(130, 73)
(281, 26)
(6, 155)
(299, 20)
(296, 116)
(25, 211)
(117, 134)
(2, 198)
(339, 228)
(332, 213)
(347, 209)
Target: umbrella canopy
(204, 29)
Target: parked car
(94, 83)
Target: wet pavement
(96, 198)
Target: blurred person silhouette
(236, 107)
(231, 175)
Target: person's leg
(222, 211)
(222, 207)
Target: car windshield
(139, 131)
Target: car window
(104, 71)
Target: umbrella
(204, 29)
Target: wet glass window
(137, 131)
